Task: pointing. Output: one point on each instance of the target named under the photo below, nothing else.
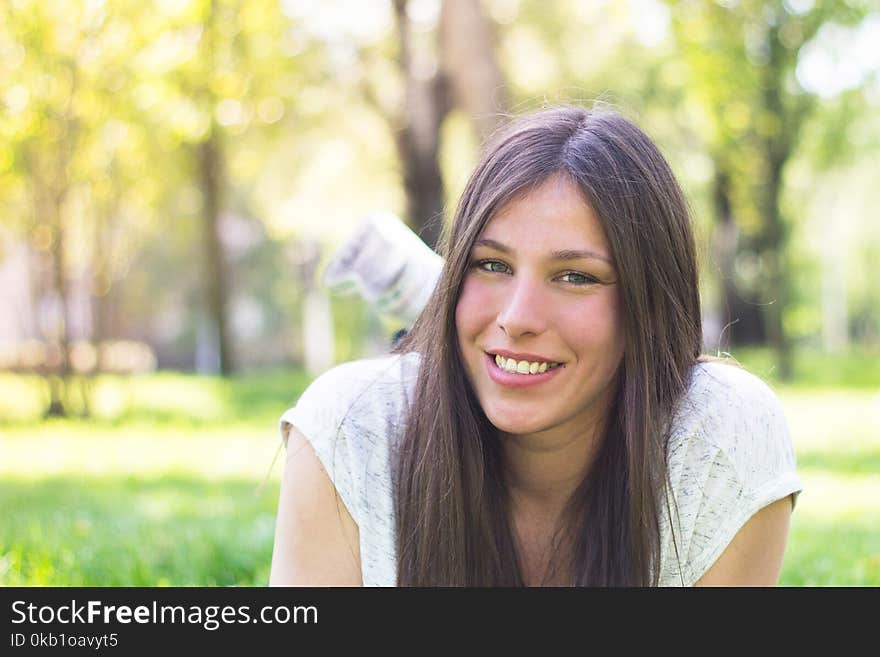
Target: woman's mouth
(520, 373)
(524, 366)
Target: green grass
(172, 482)
(835, 538)
(180, 530)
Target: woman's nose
(523, 309)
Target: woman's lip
(529, 357)
(513, 380)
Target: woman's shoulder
(730, 426)
(352, 415)
(723, 401)
(368, 393)
(715, 376)
(729, 454)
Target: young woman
(549, 419)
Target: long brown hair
(451, 504)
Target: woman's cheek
(474, 307)
(593, 322)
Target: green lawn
(835, 538)
(173, 483)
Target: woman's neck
(543, 470)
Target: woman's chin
(506, 423)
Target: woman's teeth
(523, 366)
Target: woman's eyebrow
(565, 254)
(569, 254)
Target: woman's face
(540, 298)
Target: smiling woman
(527, 286)
(549, 419)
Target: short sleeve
(320, 415)
(730, 455)
(353, 416)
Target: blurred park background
(174, 175)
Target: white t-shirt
(730, 454)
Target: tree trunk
(417, 137)
(211, 179)
(49, 188)
(59, 338)
(777, 146)
(423, 184)
(776, 278)
(724, 243)
(467, 76)
(739, 315)
(467, 60)
(217, 293)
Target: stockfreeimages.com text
(211, 617)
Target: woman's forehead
(555, 215)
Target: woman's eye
(494, 266)
(576, 278)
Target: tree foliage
(173, 167)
